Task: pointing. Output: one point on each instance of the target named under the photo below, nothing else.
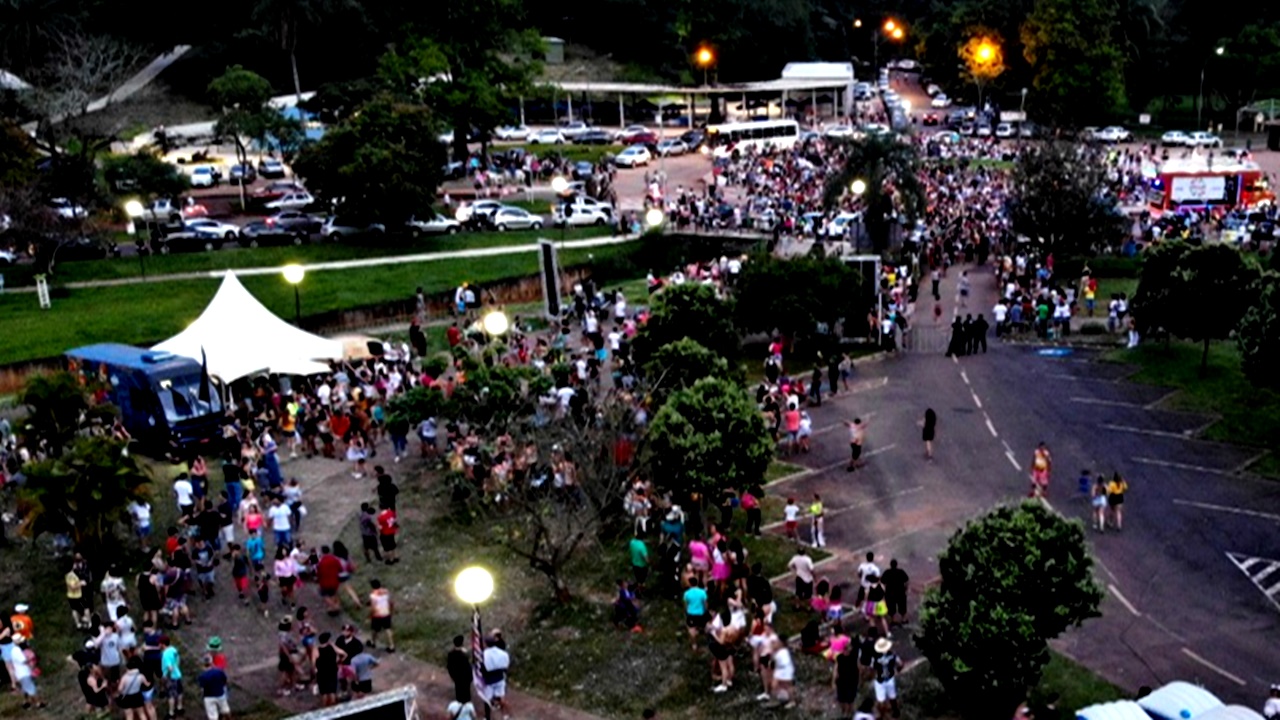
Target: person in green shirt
(639, 561)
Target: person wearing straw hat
(887, 664)
(1271, 710)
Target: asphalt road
(1177, 605)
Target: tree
(1077, 68)
(384, 160)
(552, 527)
(56, 410)
(284, 21)
(1258, 335)
(1175, 284)
(795, 296)
(1060, 200)
(983, 57)
(466, 60)
(708, 437)
(889, 171)
(678, 365)
(144, 174)
(84, 493)
(687, 311)
(247, 116)
(1011, 581)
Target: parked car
(184, 241)
(593, 137)
(940, 101)
(67, 210)
(7, 257)
(73, 249)
(1204, 139)
(693, 139)
(1004, 130)
(633, 156)
(1112, 134)
(261, 233)
(583, 170)
(839, 131)
(983, 131)
(571, 215)
(574, 128)
(275, 190)
(648, 139)
(547, 137)
(478, 211)
(241, 174)
(295, 221)
(930, 119)
(932, 89)
(672, 146)
(271, 168)
(1174, 138)
(1028, 130)
(291, 201)
(509, 217)
(840, 224)
(432, 224)
(339, 228)
(512, 132)
(966, 128)
(626, 132)
(205, 176)
(212, 228)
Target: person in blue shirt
(213, 689)
(255, 549)
(695, 611)
(171, 675)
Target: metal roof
(769, 86)
(818, 71)
(1197, 163)
(131, 357)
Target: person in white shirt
(281, 522)
(791, 517)
(185, 494)
(865, 571)
(999, 313)
(802, 565)
(496, 664)
(140, 511)
(1271, 711)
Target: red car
(641, 138)
(276, 190)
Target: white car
(435, 224)
(633, 156)
(7, 258)
(206, 228)
(1204, 139)
(932, 89)
(1113, 134)
(1004, 130)
(446, 138)
(549, 136)
(291, 201)
(204, 176)
(512, 132)
(839, 131)
(1174, 138)
(631, 131)
(840, 224)
(66, 209)
(983, 131)
(940, 101)
(575, 215)
(672, 146)
(479, 210)
(574, 129)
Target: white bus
(724, 139)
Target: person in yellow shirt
(75, 598)
(1116, 490)
(815, 519)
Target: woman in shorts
(1099, 502)
(1115, 499)
(1041, 464)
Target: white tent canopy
(1179, 700)
(1230, 712)
(1116, 710)
(240, 336)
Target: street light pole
(297, 307)
(293, 274)
(1200, 102)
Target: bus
(1223, 184)
(724, 139)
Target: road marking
(827, 468)
(1123, 600)
(955, 359)
(1233, 678)
(964, 376)
(1154, 403)
(1007, 449)
(1182, 466)
(1143, 431)
(1262, 573)
(1112, 403)
(836, 426)
(1012, 460)
(991, 427)
(1227, 509)
(1081, 378)
(976, 401)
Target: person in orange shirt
(22, 621)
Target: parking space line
(1143, 431)
(1123, 600)
(1233, 678)
(991, 427)
(976, 401)
(1012, 460)
(1182, 466)
(964, 376)
(1226, 509)
(1112, 403)
(1155, 403)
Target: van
(166, 401)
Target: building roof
(1196, 163)
(766, 86)
(817, 71)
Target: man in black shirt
(759, 589)
(387, 490)
(458, 663)
(895, 592)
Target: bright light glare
(559, 184)
(474, 585)
(654, 217)
(134, 209)
(857, 187)
(495, 323)
(293, 273)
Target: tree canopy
(794, 296)
(708, 437)
(1258, 335)
(889, 171)
(691, 310)
(1059, 200)
(1011, 581)
(678, 365)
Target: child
(264, 592)
(791, 512)
(240, 570)
(1086, 483)
(255, 550)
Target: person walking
(845, 677)
(887, 664)
(213, 689)
(1099, 503)
(817, 514)
(171, 675)
(857, 436)
(380, 611)
(1041, 465)
(929, 427)
(895, 581)
(496, 663)
(1116, 490)
(802, 565)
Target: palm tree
(890, 182)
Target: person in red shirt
(387, 529)
(329, 579)
(453, 335)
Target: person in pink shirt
(700, 558)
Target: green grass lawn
(1249, 415)
(572, 153)
(150, 312)
(235, 257)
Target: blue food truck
(159, 394)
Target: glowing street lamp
(559, 184)
(890, 26)
(293, 274)
(857, 22)
(496, 324)
(857, 187)
(1218, 51)
(704, 58)
(654, 218)
(473, 586)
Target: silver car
(436, 224)
(509, 217)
